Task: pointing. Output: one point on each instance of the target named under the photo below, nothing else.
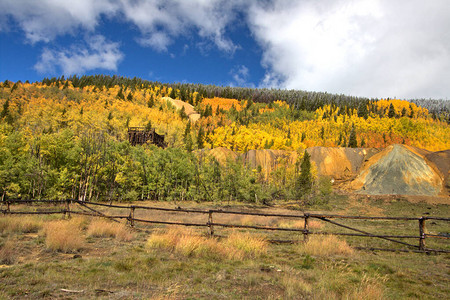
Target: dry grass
(22, 224)
(300, 224)
(64, 236)
(187, 242)
(190, 243)
(325, 246)
(295, 287)
(8, 253)
(105, 228)
(369, 288)
(250, 245)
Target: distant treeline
(298, 99)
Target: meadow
(90, 257)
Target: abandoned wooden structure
(140, 136)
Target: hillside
(67, 138)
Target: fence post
(132, 208)
(67, 210)
(422, 233)
(306, 228)
(210, 222)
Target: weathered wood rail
(84, 208)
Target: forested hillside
(67, 138)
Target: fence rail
(5, 209)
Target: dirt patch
(189, 109)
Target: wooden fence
(86, 208)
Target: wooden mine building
(140, 136)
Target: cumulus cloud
(159, 21)
(96, 54)
(366, 47)
(45, 19)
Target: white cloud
(368, 48)
(43, 20)
(240, 75)
(159, 21)
(97, 54)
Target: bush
(104, 228)
(64, 236)
(248, 244)
(7, 253)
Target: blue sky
(372, 48)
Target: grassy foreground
(46, 257)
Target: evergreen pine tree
(120, 94)
(182, 113)
(200, 138)
(148, 126)
(362, 110)
(404, 112)
(363, 142)
(303, 137)
(5, 110)
(411, 115)
(197, 99)
(340, 139)
(130, 97)
(305, 180)
(151, 101)
(172, 94)
(352, 142)
(187, 137)
(391, 113)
